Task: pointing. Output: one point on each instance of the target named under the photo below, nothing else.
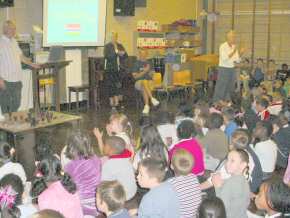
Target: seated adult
(142, 73)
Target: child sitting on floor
(119, 125)
(229, 121)
(262, 108)
(185, 183)
(84, 168)
(265, 147)
(235, 192)
(119, 166)
(7, 166)
(161, 201)
(111, 198)
(274, 197)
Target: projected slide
(74, 22)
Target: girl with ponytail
(55, 190)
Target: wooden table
(21, 129)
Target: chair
(182, 81)
(77, 90)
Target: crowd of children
(216, 160)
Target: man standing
(229, 54)
(10, 69)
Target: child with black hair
(185, 183)
(229, 121)
(261, 105)
(212, 208)
(283, 73)
(274, 197)
(55, 190)
(118, 167)
(84, 168)
(151, 145)
(281, 136)
(265, 147)
(111, 199)
(14, 182)
(7, 166)
(186, 133)
(235, 191)
(161, 201)
(215, 141)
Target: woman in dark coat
(115, 66)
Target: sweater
(235, 194)
(86, 173)
(57, 198)
(160, 202)
(215, 143)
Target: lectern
(53, 69)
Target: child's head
(11, 190)
(261, 104)
(110, 196)
(215, 121)
(114, 145)
(186, 130)
(240, 139)
(278, 84)
(285, 66)
(151, 172)
(182, 162)
(212, 208)
(151, 143)
(78, 145)
(47, 213)
(228, 114)
(274, 196)
(5, 152)
(43, 146)
(201, 108)
(237, 162)
(119, 123)
(263, 130)
(16, 184)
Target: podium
(53, 68)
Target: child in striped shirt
(185, 183)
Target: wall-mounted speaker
(124, 7)
(141, 3)
(6, 3)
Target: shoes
(155, 102)
(146, 109)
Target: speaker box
(140, 3)
(6, 3)
(124, 7)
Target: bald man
(10, 69)
(229, 55)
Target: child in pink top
(186, 132)
(54, 190)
